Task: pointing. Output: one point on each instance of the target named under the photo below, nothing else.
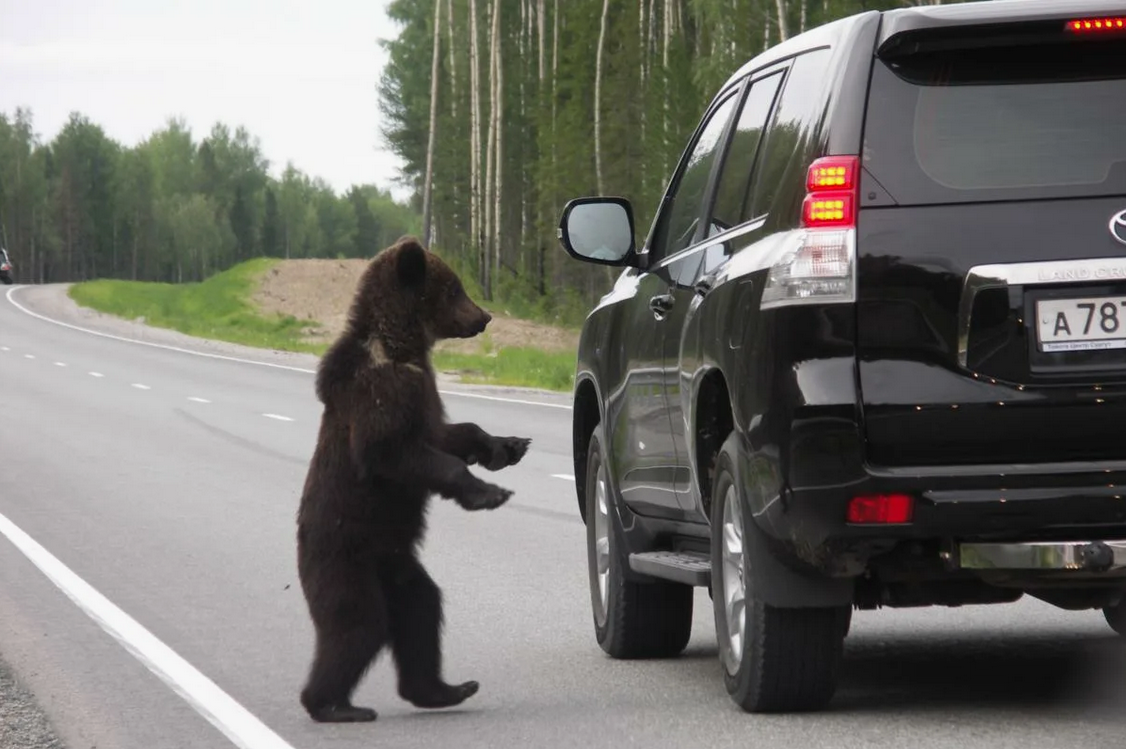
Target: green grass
(522, 367)
(219, 309)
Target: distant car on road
(5, 268)
(872, 351)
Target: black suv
(873, 349)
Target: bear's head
(410, 299)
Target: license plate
(1081, 324)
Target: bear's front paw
(488, 497)
(507, 451)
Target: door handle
(661, 304)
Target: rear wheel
(1116, 617)
(631, 619)
(774, 659)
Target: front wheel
(1116, 617)
(631, 619)
(774, 659)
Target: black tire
(788, 658)
(641, 619)
(1116, 617)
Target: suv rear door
(992, 272)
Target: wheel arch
(713, 419)
(586, 415)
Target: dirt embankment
(320, 291)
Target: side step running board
(688, 567)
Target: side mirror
(598, 230)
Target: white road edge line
(38, 316)
(276, 416)
(219, 708)
(564, 476)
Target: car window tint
(1000, 123)
(800, 100)
(731, 206)
(678, 225)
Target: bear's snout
(485, 319)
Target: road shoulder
(23, 724)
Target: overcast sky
(300, 75)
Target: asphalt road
(168, 483)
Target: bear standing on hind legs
(384, 447)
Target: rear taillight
(881, 509)
(1096, 25)
(816, 265)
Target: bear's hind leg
(344, 652)
(415, 605)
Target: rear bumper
(966, 519)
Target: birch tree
(428, 181)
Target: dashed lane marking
(278, 417)
(194, 399)
(139, 386)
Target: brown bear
(383, 448)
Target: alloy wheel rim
(733, 581)
(602, 540)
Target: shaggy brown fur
(384, 447)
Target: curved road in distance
(159, 489)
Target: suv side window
(678, 224)
(735, 170)
(731, 206)
(801, 98)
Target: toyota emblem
(1118, 226)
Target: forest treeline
(512, 107)
(515, 106)
(171, 208)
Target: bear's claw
(507, 451)
(442, 695)
(489, 497)
(343, 714)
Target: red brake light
(881, 508)
(828, 209)
(1089, 25)
(831, 173)
(831, 187)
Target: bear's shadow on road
(1057, 671)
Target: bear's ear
(411, 264)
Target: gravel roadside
(23, 725)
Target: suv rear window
(1000, 123)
